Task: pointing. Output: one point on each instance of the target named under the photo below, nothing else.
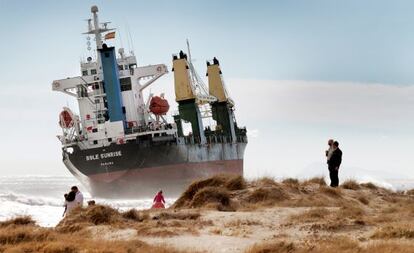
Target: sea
(41, 197)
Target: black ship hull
(136, 170)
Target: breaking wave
(29, 200)
(42, 198)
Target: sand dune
(228, 214)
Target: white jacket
(70, 206)
(330, 152)
(79, 198)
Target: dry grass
(135, 215)
(18, 221)
(15, 235)
(369, 186)
(154, 223)
(290, 181)
(402, 211)
(267, 195)
(169, 225)
(79, 218)
(22, 235)
(329, 245)
(312, 215)
(272, 247)
(264, 182)
(351, 185)
(208, 195)
(234, 183)
(102, 214)
(394, 231)
(157, 232)
(146, 223)
(77, 245)
(357, 205)
(351, 211)
(183, 215)
(331, 220)
(364, 200)
(243, 222)
(369, 212)
(140, 216)
(229, 193)
(316, 180)
(332, 192)
(218, 186)
(216, 231)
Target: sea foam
(42, 198)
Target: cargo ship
(120, 144)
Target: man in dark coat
(334, 163)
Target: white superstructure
(92, 127)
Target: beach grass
(286, 215)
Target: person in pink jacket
(158, 201)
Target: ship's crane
(217, 88)
(223, 109)
(199, 87)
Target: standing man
(79, 195)
(333, 164)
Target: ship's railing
(242, 138)
(142, 129)
(211, 139)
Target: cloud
(313, 102)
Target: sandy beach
(229, 214)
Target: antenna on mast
(131, 49)
(95, 28)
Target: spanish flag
(110, 35)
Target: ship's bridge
(126, 65)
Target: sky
(300, 72)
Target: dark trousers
(333, 175)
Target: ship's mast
(96, 29)
(97, 32)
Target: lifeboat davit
(159, 106)
(66, 118)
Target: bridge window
(93, 71)
(125, 84)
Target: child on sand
(158, 201)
